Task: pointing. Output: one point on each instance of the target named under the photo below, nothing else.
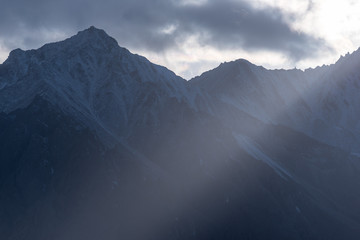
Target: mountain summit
(100, 143)
(90, 76)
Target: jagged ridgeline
(100, 143)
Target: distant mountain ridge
(96, 141)
(320, 102)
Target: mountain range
(100, 143)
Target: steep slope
(320, 102)
(99, 143)
(338, 103)
(90, 76)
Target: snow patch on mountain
(254, 150)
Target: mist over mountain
(100, 143)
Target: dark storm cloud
(224, 24)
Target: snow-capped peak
(89, 75)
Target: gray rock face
(99, 143)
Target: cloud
(234, 24)
(158, 25)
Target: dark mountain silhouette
(99, 143)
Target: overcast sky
(192, 36)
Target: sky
(193, 36)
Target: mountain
(321, 102)
(100, 143)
